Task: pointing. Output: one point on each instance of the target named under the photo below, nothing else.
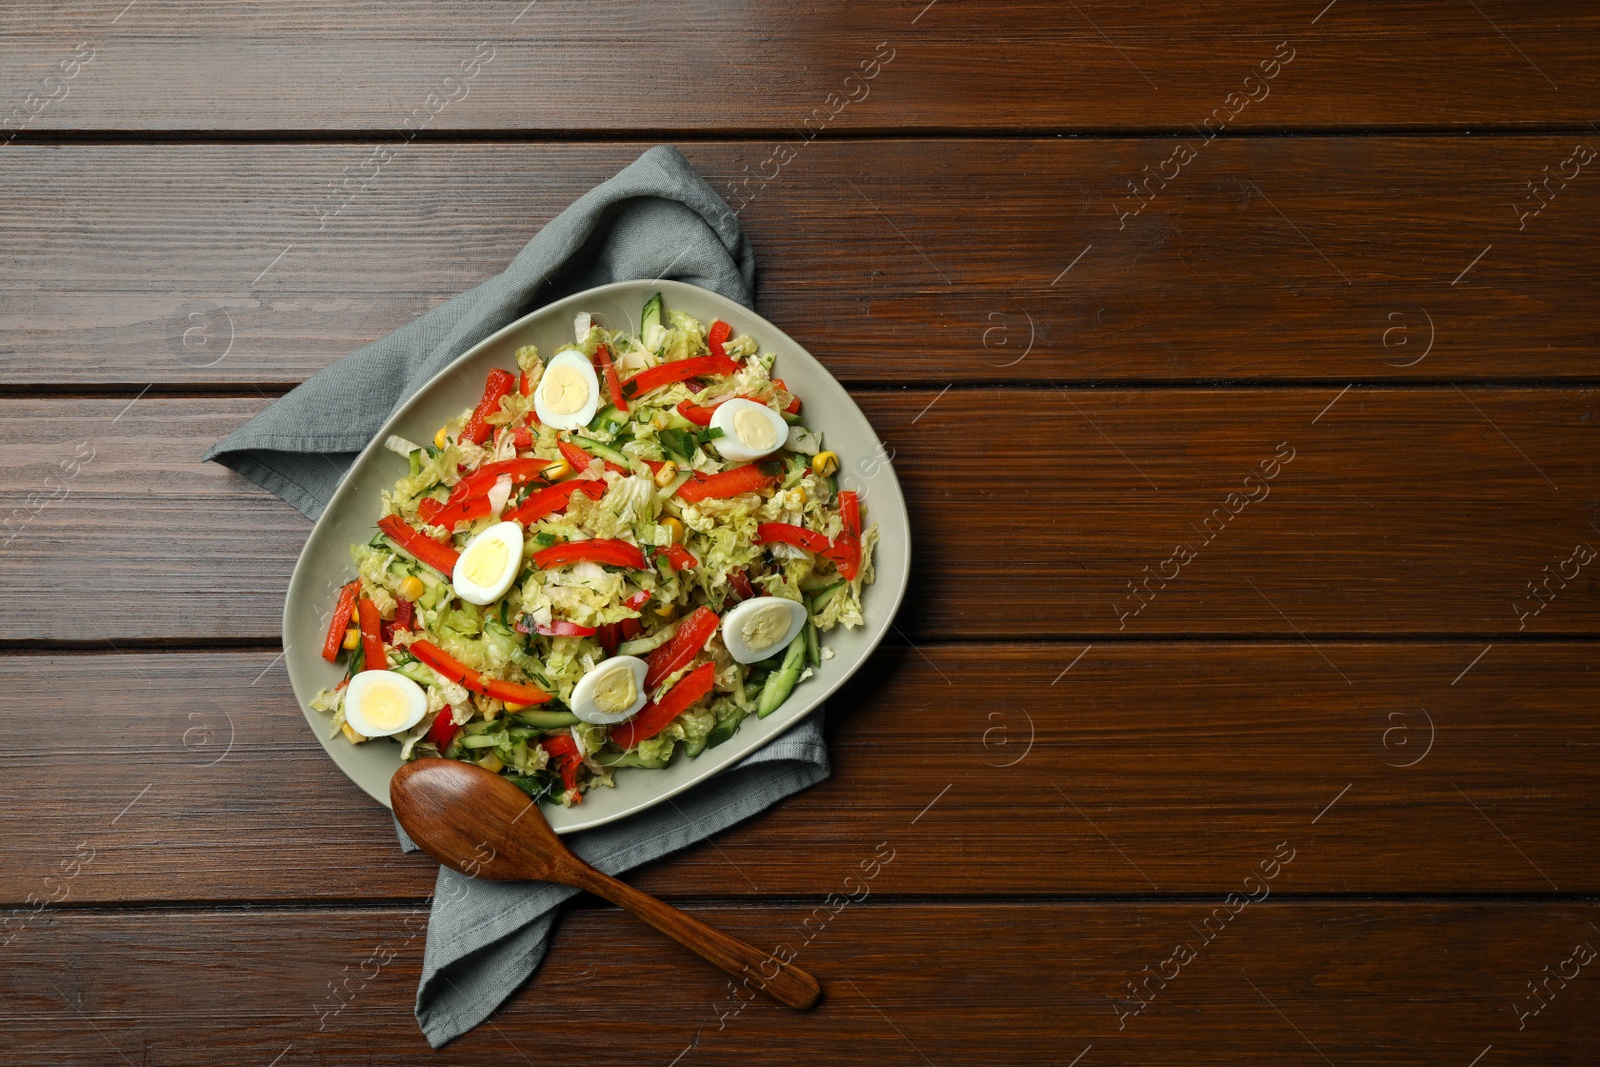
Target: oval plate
(325, 565)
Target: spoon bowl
(478, 823)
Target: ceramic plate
(325, 562)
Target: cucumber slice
(679, 444)
(544, 720)
(780, 683)
(826, 594)
(813, 645)
(633, 759)
(652, 314)
(694, 748)
(640, 645)
(723, 732)
(417, 672)
(609, 420)
(603, 451)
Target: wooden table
(1239, 363)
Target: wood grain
(1327, 259)
(1033, 769)
(1369, 982)
(698, 66)
(1039, 511)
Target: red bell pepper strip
(846, 555)
(498, 385)
(718, 336)
(522, 437)
(630, 628)
(444, 728)
(637, 600)
(740, 581)
(553, 499)
(606, 550)
(441, 558)
(700, 416)
(653, 718)
(577, 457)
(524, 385)
(341, 619)
(846, 550)
(428, 509)
(566, 758)
(405, 615)
(477, 484)
(680, 370)
(608, 371)
(746, 479)
(581, 460)
(510, 692)
(850, 511)
(525, 469)
(680, 558)
(452, 515)
(789, 534)
(607, 635)
(456, 671)
(371, 636)
(684, 646)
(560, 745)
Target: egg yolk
(385, 705)
(564, 389)
(615, 691)
(764, 626)
(754, 429)
(486, 562)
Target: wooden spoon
(481, 825)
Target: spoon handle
(784, 982)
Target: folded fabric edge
(273, 481)
(440, 1025)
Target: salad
(611, 561)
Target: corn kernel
(352, 639)
(517, 707)
(674, 530)
(664, 610)
(441, 437)
(491, 762)
(412, 587)
(665, 474)
(825, 463)
(557, 470)
(350, 735)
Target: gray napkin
(656, 219)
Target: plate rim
(889, 487)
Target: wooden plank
(1045, 513)
(1371, 983)
(699, 66)
(1131, 768)
(1330, 259)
